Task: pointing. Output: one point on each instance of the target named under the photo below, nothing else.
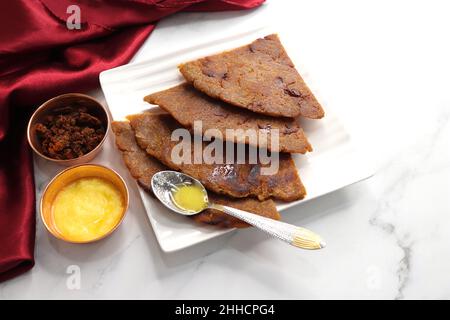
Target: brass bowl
(68, 176)
(47, 108)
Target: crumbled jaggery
(69, 133)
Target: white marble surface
(384, 67)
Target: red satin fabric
(40, 58)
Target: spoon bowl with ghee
(180, 192)
(187, 196)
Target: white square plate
(334, 164)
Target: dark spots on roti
(289, 130)
(255, 106)
(254, 174)
(209, 73)
(245, 120)
(279, 82)
(265, 127)
(293, 92)
(220, 114)
(212, 70)
(215, 74)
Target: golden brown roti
(187, 105)
(259, 77)
(153, 133)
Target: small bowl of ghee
(84, 203)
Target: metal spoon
(165, 182)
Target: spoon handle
(296, 236)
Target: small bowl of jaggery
(69, 129)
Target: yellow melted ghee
(189, 197)
(87, 209)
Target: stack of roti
(255, 87)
